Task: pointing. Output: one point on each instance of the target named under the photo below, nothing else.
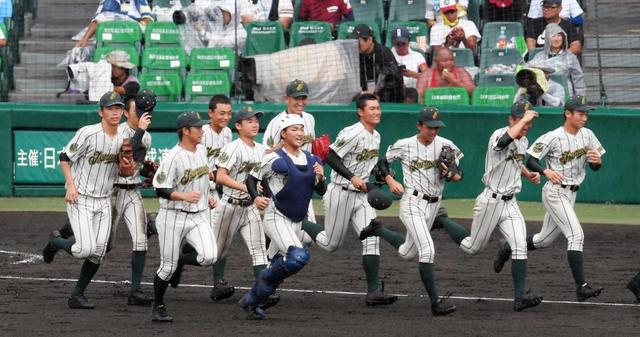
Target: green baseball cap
(519, 108)
(190, 118)
(431, 117)
(111, 98)
(578, 102)
(297, 88)
(246, 113)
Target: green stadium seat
(205, 59)
(102, 52)
(369, 11)
(316, 30)
(464, 57)
(118, 33)
(562, 80)
(497, 80)
(535, 51)
(493, 96)
(160, 3)
(446, 96)
(162, 34)
(406, 10)
(473, 12)
(200, 87)
(491, 32)
(416, 28)
(168, 87)
(264, 38)
(346, 28)
(158, 59)
(508, 57)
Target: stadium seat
(491, 32)
(264, 38)
(346, 28)
(200, 87)
(168, 87)
(102, 52)
(416, 29)
(162, 34)
(316, 30)
(164, 60)
(206, 59)
(562, 80)
(464, 57)
(493, 96)
(406, 10)
(446, 96)
(497, 80)
(160, 3)
(118, 33)
(473, 12)
(535, 51)
(369, 11)
(510, 57)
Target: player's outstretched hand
(593, 157)
(317, 169)
(71, 196)
(359, 183)
(554, 176)
(213, 202)
(191, 197)
(395, 187)
(534, 177)
(261, 203)
(145, 121)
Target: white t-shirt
(439, 32)
(260, 11)
(433, 10)
(570, 9)
(411, 61)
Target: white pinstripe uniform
(128, 205)
(501, 181)
(214, 142)
(567, 155)
(94, 167)
(423, 191)
(344, 204)
(178, 221)
(231, 216)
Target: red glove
(320, 147)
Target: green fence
(44, 129)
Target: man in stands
(264, 10)
(111, 10)
(444, 74)
(571, 11)
(432, 13)
(411, 62)
(124, 83)
(551, 14)
(454, 32)
(332, 11)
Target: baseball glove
(148, 171)
(126, 164)
(320, 147)
(448, 158)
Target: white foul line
(30, 258)
(327, 292)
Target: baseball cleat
(526, 302)
(137, 297)
(50, 249)
(585, 291)
(370, 230)
(504, 252)
(159, 314)
(378, 297)
(221, 291)
(174, 281)
(66, 231)
(79, 302)
(442, 212)
(270, 301)
(442, 308)
(253, 312)
(633, 287)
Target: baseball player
(567, 149)
(424, 175)
(292, 174)
(182, 183)
(90, 166)
(352, 157)
(216, 135)
(496, 206)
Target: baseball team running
(212, 187)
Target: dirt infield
(33, 304)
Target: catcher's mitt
(320, 147)
(448, 158)
(126, 164)
(148, 171)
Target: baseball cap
(552, 2)
(145, 102)
(290, 119)
(519, 108)
(361, 31)
(431, 117)
(111, 98)
(120, 58)
(577, 102)
(246, 113)
(400, 34)
(190, 118)
(297, 88)
(447, 5)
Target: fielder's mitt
(320, 147)
(148, 171)
(126, 167)
(448, 158)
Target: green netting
(207, 85)
(493, 96)
(102, 52)
(316, 30)
(446, 96)
(162, 34)
(369, 11)
(212, 59)
(168, 86)
(491, 33)
(158, 58)
(510, 57)
(406, 10)
(463, 56)
(418, 30)
(346, 28)
(264, 38)
(110, 32)
(500, 80)
(473, 12)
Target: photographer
(537, 88)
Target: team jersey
(358, 149)
(566, 153)
(502, 167)
(127, 132)
(276, 180)
(271, 135)
(214, 142)
(184, 171)
(239, 159)
(94, 160)
(420, 167)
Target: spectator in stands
(109, 10)
(263, 10)
(444, 74)
(503, 10)
(124, 83)
(411, 62)
(557, 56)
(379, 72)
(332, 11)
(454, 32)
(551, 14)
(433, 16)
(536, 86)
(3, 39)
(232, 32)
(570, 11)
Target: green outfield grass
(457, 208)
